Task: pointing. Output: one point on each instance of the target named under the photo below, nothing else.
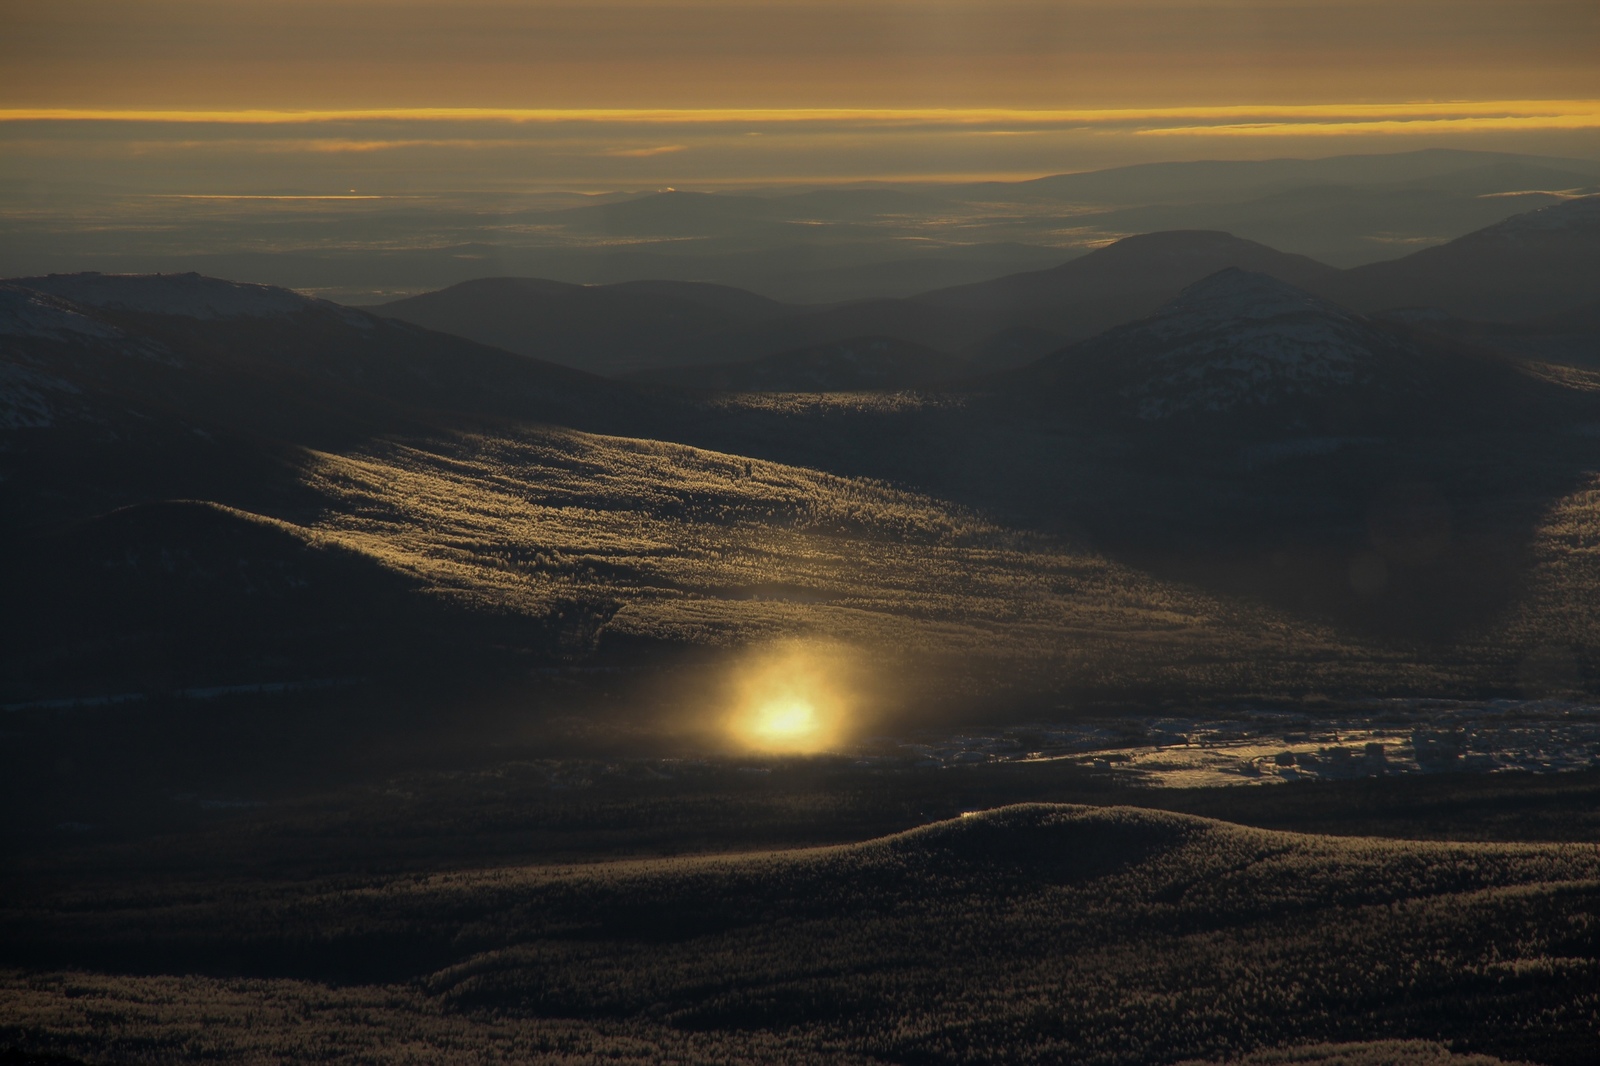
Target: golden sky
(787, 53)
(663, 88)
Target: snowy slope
(1579, 215)
(35, 330)
(189, 295)
(29, 313)
(1233, 341)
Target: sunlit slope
(665, 542)
(1554, 628)
(1029, 934)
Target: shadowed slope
(601, 328)
(185, 595)
(854, 364)
(181, 386)
(1537, 263)
(1232, 345)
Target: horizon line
(1567, 114)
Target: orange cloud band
(1231, 120)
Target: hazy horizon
(392, 96)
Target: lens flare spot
(792, 701)
(785, 721)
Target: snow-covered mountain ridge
(1581, 214)
(190, 295)
(1236, 340)
(29, 313)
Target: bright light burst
(794, 699)
(785, 721)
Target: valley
(1185, 653)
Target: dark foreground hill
(193, 597)
(1028, 934)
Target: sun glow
(785, 721)
(792, 700)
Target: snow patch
(29, 313)
(24, 401)
(1578, 215)
(1240, 339)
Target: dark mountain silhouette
(600, 328)
(213, 337)
(617, 328)
(179, 385)
(1123, 280)
(1353, 224)
(1531, 264)
(1254, 352)
(1008, 321)
(183, 295)
(840, 366)
(1538, 262)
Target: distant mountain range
(1538, 263)
(793, 244)
(242, 464)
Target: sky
(281, 96)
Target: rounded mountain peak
(1235, 295)
(1232, 341)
